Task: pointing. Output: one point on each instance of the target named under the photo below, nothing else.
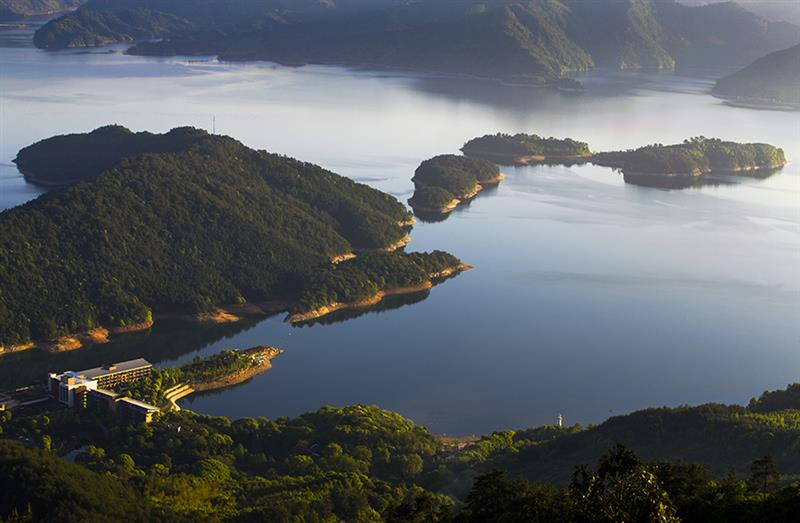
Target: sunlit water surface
(589, 297)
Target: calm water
(589, 298)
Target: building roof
(114, 368)
(140, 404)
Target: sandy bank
(343, 257)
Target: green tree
(764, 474)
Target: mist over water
(590, 297)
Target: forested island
(443, 182)
(652, 165)
(523, 149)
(536, 42)
(196, 222)
(772, 81)
(693, 157)
(358, 463)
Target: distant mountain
(15, 9)
(536, 40)
(775, 10)
(186, 221)
(772, 79)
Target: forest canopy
(507, 147)
(362, 463)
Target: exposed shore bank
(376, 298)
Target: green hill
(534, 41)
(361, 463)
(205, 221)
(772, 79)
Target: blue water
(589, 297)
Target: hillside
(536, 41)
(361, 463)
(771, 80)
(206, 221)
(16, 9)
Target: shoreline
(699, 174)
(262, 356)
(523, 160)
(760, 104)
(222, 314)
(376, 298)
(448, 208)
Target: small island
(524, 149)
(657, 165)
(694, 157)
(443, 182)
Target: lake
(590, 297)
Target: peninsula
(357, 285)
(188, 222)
(164, 387)
(445, 181)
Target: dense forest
(185, 230)
(694, 157)
(534, 41)
(359, 463)
(773, 79)
(442, 179)
(516, 148)
(18, 9)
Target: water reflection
(433, 216)
(695, 182)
